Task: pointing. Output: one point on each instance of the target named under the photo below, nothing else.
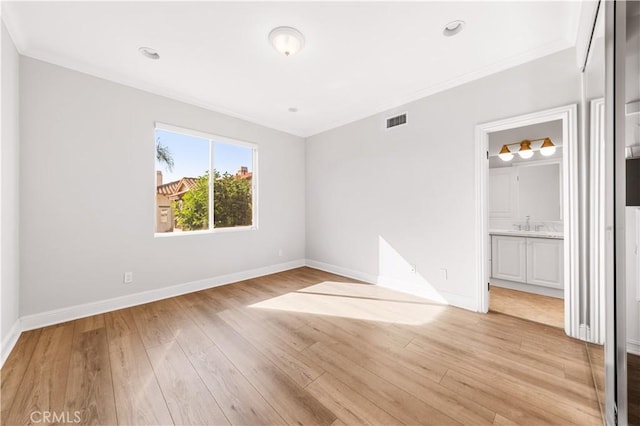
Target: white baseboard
(10, 341)
(633, 347)
(345, 272)
(441, 297)
(528, 288)
(80, 311)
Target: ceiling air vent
(398, 120)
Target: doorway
(566, 118)
(526, 226)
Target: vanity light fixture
(547, 148)
(286, 40)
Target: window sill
(208, 231)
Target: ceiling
(360, 58)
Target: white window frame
(212, 138)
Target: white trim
(568, 115)
(449, 298)
(212, 139)
(80, 311)
(339, 270)
(633, 347)
(9, 342)
(558, 293)
(597, 226)
(202, 135)
(204, 231)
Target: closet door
(615, 337)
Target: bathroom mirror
(539, 191)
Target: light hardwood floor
(300, 347)
(533, 307)
(633, 384)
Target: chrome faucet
(527, 226)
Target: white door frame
(568, 115)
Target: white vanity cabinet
(529, 260)
(509, 258)
(545, 262)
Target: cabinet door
(508, 258)
(545, 262)
(502, 192)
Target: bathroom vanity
(529, 261)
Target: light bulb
(506, 156)
(548, 150)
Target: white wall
(379, 201)
(87, 193)
(9, 199)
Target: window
(203, 182)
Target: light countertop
(530, 234)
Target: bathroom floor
(529, 306)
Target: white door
(508, 258)
(502, 192)
(545, 262)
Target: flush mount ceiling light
(453, 28)
(547, 148)
(286, 40)
(149, 52)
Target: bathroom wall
(553, 130)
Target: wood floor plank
(239, 400)
(499, 400)
(397, 402)
(290, 400)
(44, 384)
(302, 347)
(347, 403)
(295, 364)
(89, 386)
(633, 386)
(188, 399)
(540, 389)
(529, 306)
(14, 370)
(405, 377)
(153, 330)
(139, 400)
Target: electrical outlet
(444, 273)
(280, 253)
(413, 269)
(128, 277)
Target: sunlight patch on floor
(357, 301)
